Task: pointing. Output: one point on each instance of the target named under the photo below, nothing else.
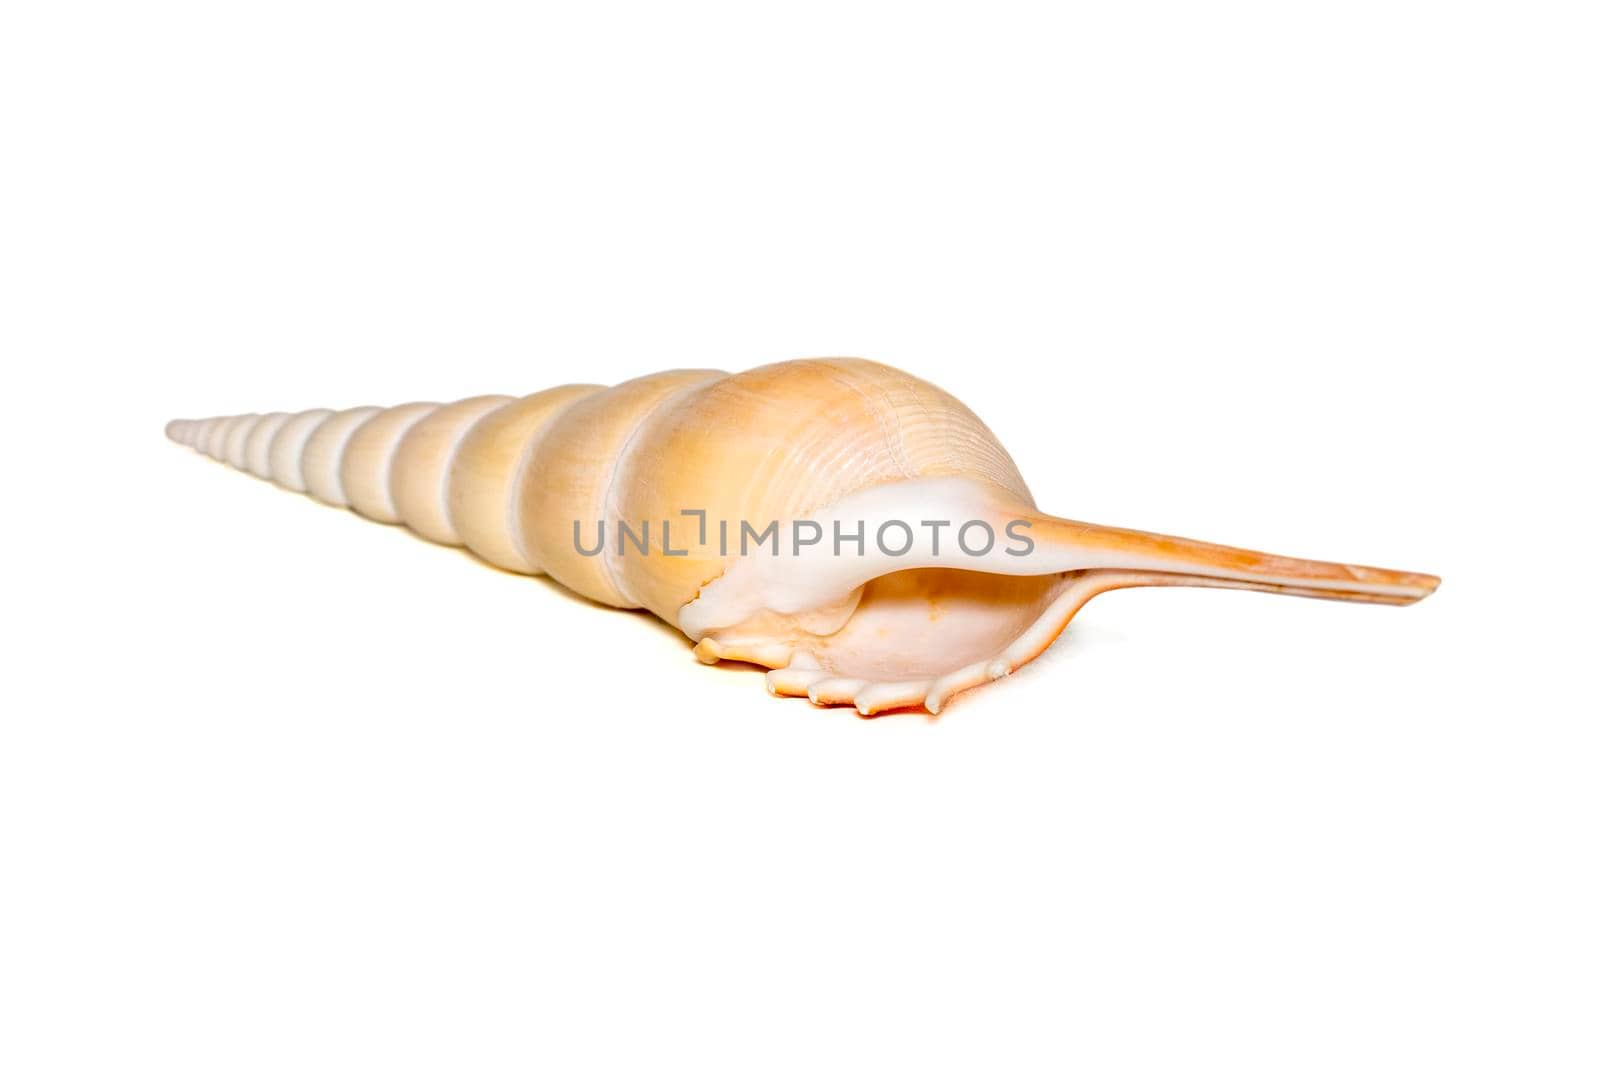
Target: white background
(278, 785)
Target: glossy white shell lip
(792, 582)
(765, 608)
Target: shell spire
(854, 529)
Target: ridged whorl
(508, 478)
(782, 442)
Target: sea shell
(897, 556)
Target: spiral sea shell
(855, 530)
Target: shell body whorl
(575, 468)
(491, 472)
(366, 465)
(321, 464)
(421, 466)
(288, 445)
(781, 442)
(258, 443)
(234, 440)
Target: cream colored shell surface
(664, 463)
